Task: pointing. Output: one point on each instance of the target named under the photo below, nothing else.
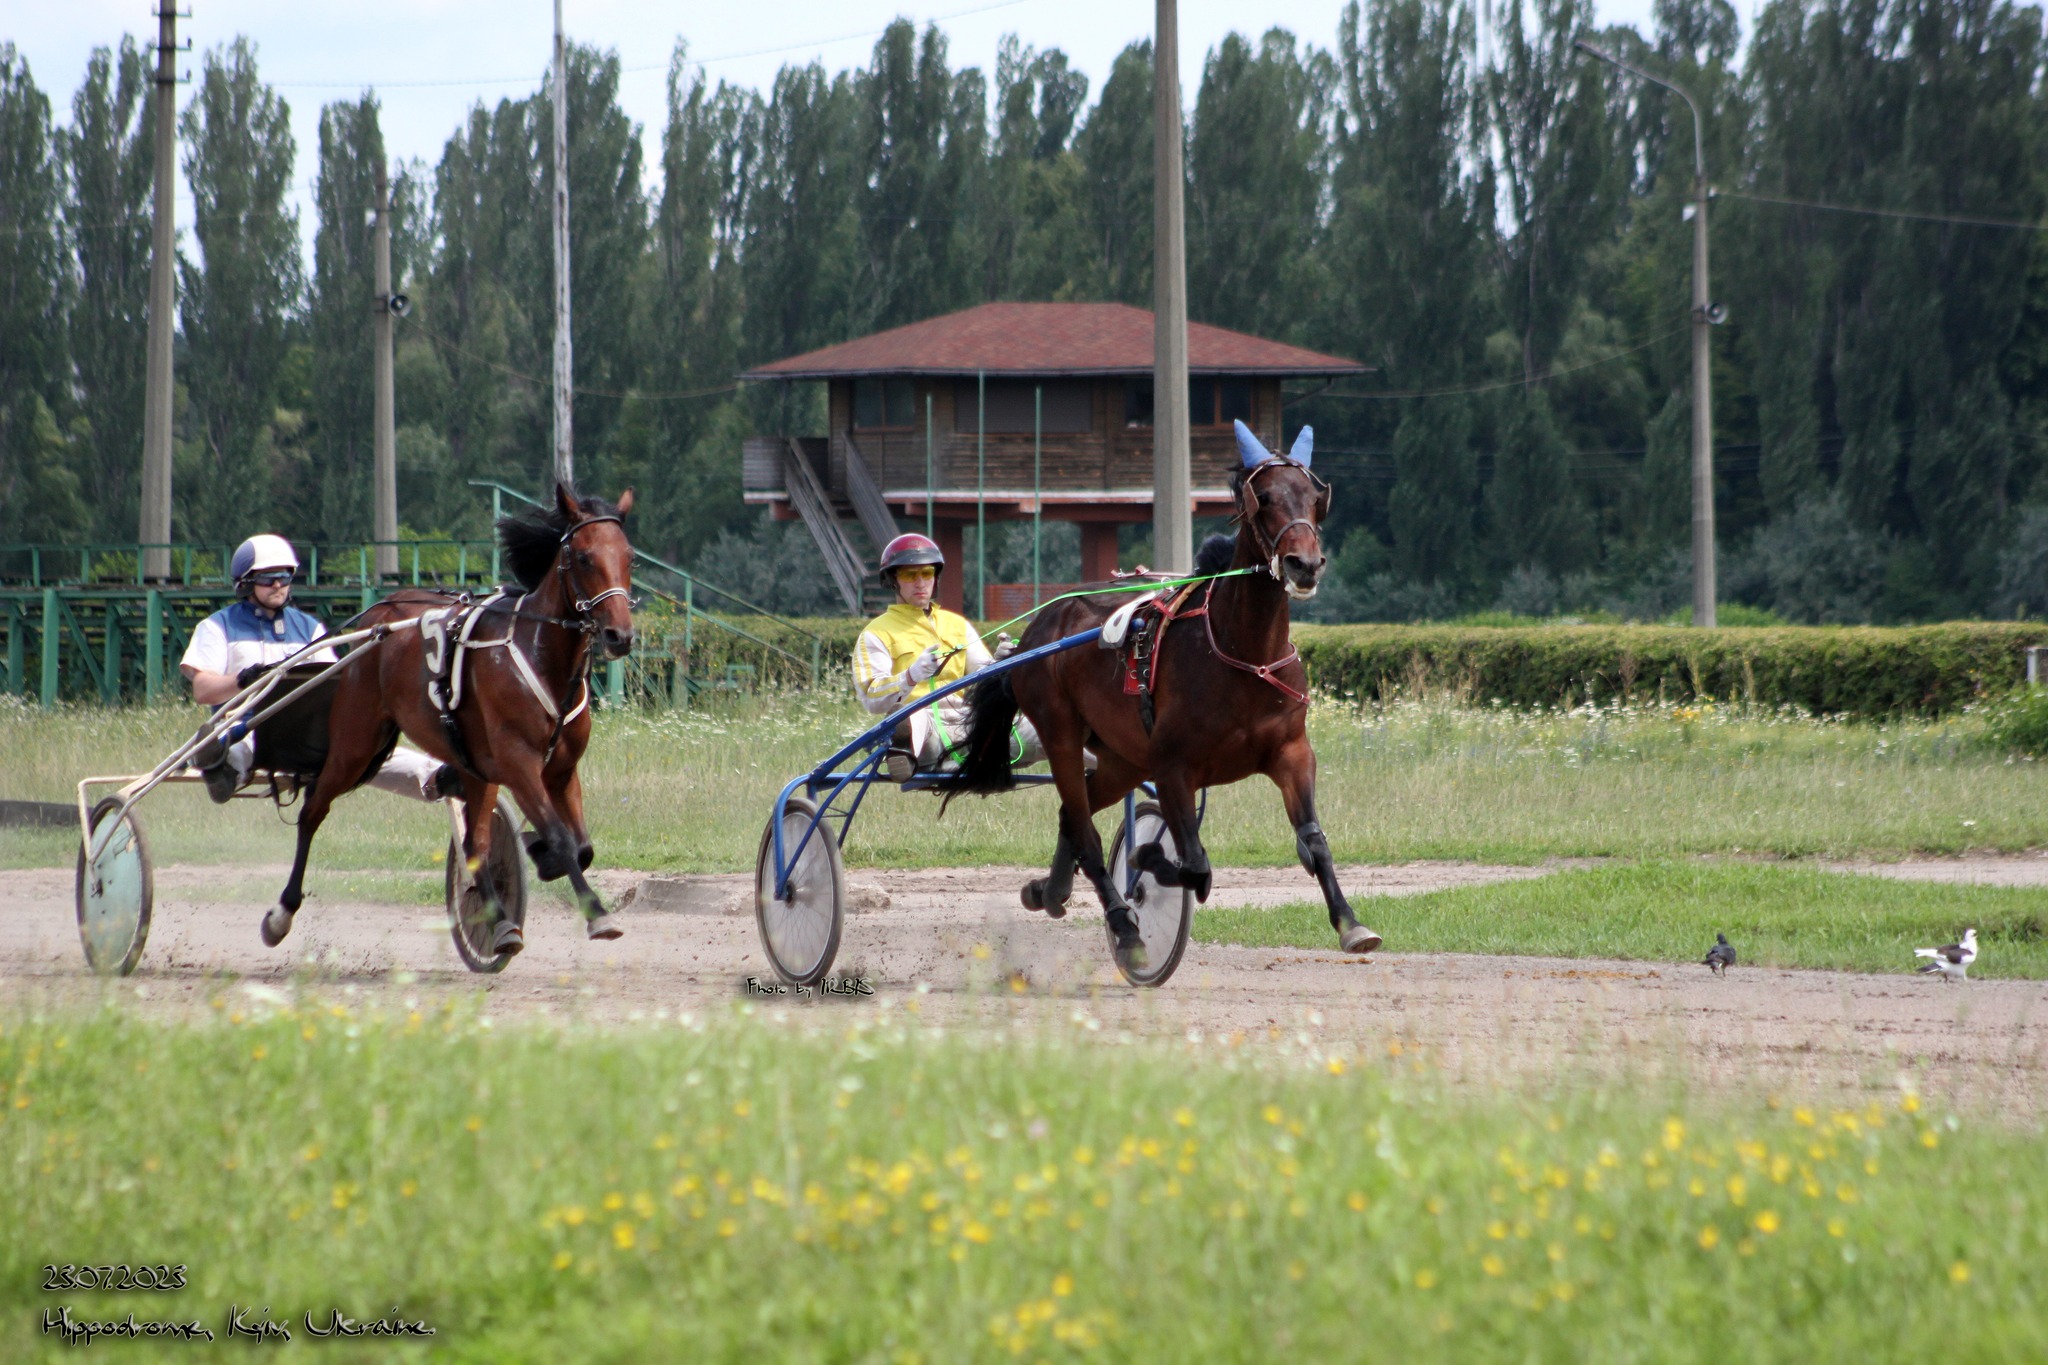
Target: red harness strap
(1175, 609)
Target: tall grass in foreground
(1776, 916)
(689, 791)
(859, 1187)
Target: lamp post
(1704, 316)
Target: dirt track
(955, 945)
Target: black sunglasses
(271, 580)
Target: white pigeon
(1953, 960)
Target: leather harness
(1148, 632)
(447, 638)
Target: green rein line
(1150, 585)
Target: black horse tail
(985, 768)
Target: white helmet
(259, 553)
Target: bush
(2019, 722)
(1854, 671)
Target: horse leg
(552, 834)
(479, 803)
(347, 756)
(565, 789)
(1077, 829)
(1177, 804)
(1294, 773)
(1050, 893)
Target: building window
(884, 405)
(1138, 401)
(1213, 401)
(1007, 406)
(1217, 401)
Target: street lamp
(1704, 315)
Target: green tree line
(1486, 216)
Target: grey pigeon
(1720, 957)
(1951, 960)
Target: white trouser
(939, 733)
(408, 772)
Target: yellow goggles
(917, 573)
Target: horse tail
(985, 768)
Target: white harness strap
(520, 665)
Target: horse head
(596, 563)
(1281, 505)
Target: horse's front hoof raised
(508, 939)
(1358, 939)
(548, 865)
(277, 922)
(605, 926)
(1131, 957)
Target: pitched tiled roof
(1047, 339)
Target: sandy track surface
(954, 945)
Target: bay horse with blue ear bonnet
(518, 690)
(1228, 697)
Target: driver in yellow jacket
(913, 649)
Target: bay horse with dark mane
(1229, 700)
(523, 720)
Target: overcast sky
(430, 60)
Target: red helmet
(910, 549)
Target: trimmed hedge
(1830, 670)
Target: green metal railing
(82, 622)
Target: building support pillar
(1098, 551)
(952, 539)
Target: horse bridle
(582, 606)
(1249, 507)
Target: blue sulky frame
(871, 745)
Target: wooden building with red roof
(1004, 409)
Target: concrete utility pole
(1705, 315)
(565, 450)
(384, 495)
(1173, 526)
(154, 527)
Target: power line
(1961, 219)
(634, 70)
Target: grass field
(863, 1187)
(689, 791)
(1776, 916)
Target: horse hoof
(1358, 939)
(1131, 957)
(277, 922)
(508, 940)
(604, 926)
(1033, 894)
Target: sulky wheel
(470, 921)
(800, 930)
(1164, 912)
(115, 890)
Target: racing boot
(900, 760)
(211, 759)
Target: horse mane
(531, 539)
(1215, 555)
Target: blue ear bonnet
(1250, 449)
(1253, 452)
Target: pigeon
(1952, 960)
(1720, 957)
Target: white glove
(1005, 646)
(923, 666)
